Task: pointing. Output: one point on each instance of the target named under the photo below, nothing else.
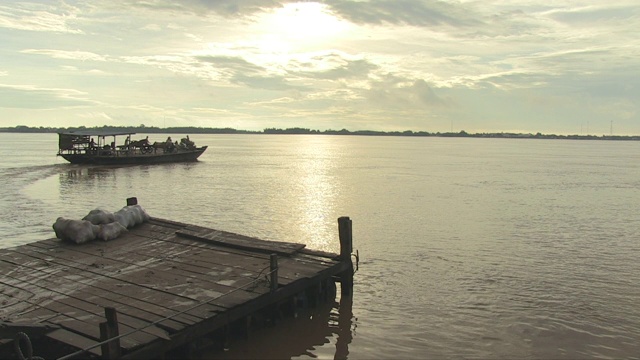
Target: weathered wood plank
(10, 330)
(128, 321)
(240, 242)
(175, 281)
(97, 296)
(166, 223)
(170, 301)
(76, 317)
(75, 340)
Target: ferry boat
(102, 148)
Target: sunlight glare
(308, 21)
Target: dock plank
(149, 312)
(75, 316)
(173, 280)
(74, 340)
(82, 279)
(239, 241)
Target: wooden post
(132, 201)
(108, 330)
(346, 248)
(274, 272)
(346, 239)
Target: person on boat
(187, 144)
(168, 145)
(92, 147)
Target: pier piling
(109, 330)
(346, 248)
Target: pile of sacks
(100, 224)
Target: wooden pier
(164, 289)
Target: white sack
(140, 214)
(98, 217)
(130, 216)
(124, 217)
(110, 231)
(77, 231)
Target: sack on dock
(77, 231)
(110, 231)
(130, 216)
(140, 215)
(98, 217)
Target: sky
(555, 67)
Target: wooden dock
(163, 288)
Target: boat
(101, 148)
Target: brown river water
(469, 248)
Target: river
(469, 248)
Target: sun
(303, 21)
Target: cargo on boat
(102, 148)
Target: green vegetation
(200, 130)
(134, 129)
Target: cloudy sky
(565, 67)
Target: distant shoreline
(303, 131)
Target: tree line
(301, 131)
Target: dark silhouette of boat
(101, 148)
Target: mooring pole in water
(274, 272)
(132, 201)
(108, 330)
(346, 248)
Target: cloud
(32, 97)
(225, 8)
(95, 116)
(264, 82)
(404, 12)
(588, 15)
(66, 55)
(152, 27)
(39, 17)
(394, 93)
(332, 66)
(233, 63)
(388, 61)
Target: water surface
(470, 248)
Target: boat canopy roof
(95, 133)
(70, 139)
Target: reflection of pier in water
(306, 335)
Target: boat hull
(160, 158)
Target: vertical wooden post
(346, 248)
(346, 239)
(132, 201)
(274, 272)
(108, 330)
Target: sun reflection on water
(319, 192)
